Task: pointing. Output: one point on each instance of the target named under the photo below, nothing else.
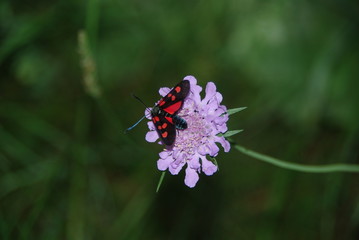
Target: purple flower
(206, 119)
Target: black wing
(165, 129)
(173, 101)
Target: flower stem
(299, 167)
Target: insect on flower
(164, 113)
(194, 147)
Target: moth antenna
(134, 125)
(144, 104)
(139, 99)
(147, 108)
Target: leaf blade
(235, 110)
(230, 133)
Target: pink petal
(210, 92)
(176, 153)
(151, 126)
(163, 164)
(189, 106)
(164, 154)
(194, 162)
(195, 93)
(211, 109)
(191, 79)
(163, 91)
(148, 113)
(151, 136)
(213, 148)
(195, 90)
(225, 144)
(221, 116)
(208, 167)
(222, 128)
(176, 168)
(219, 97)
(204, 149)
(191, 177)
(224, 108)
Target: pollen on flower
(205, 119)
(195, 135)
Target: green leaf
(161, 180)
(229, 133)
(235, 110)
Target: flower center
(197, 133)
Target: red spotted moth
(164, 113)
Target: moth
(164, 113)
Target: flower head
(206, 119)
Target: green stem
(299, 167)
(161, 180)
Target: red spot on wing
(161, 103)
(169, 119)
(178, 89)
(173, 98)
(164, 125)
(165, 134)
(174, 107)
(155, 119)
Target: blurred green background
(67, 170)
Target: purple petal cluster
(206, 119)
